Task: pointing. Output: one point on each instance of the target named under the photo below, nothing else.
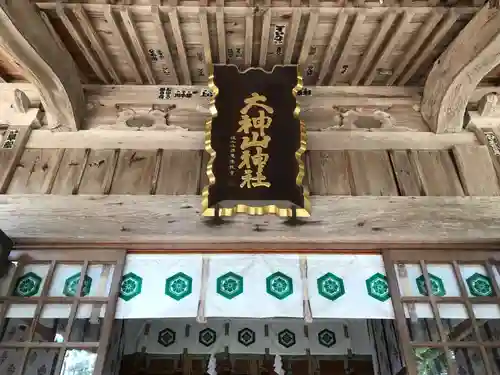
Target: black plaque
(256, 143)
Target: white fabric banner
(160, 286)
(248, 336)
(348, 286)
(288, 338)
(254, 286)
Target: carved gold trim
(243, 208)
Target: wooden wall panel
(9, 158)
(372, 173)
(180, 172)
(36, 171)
(99, 171)
(476, 170)
(329, 172)
(70, 171)
(437, 172)
(134, 172)
(406, 174)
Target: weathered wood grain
(36, 171)
(9, 158)
(175, 221)
(329, 173)
(134, 173)
(70, 171)
(406, 175)
(476, 170)
(179, 173)
(437, 173)
(372, 173)
(99, 171)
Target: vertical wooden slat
(437, 172)
(406, 175)
(134, 172)
(332, 46)
(375, 44)
(205, 36)
(292, 34)
(156, 173)
(423, 33)
(4, 307)
(372, 173)
(337, 71)
(99, 171)
(80, 42)
(330, 173)
(95, 42)
(441, 31)
(476, 170)
(389, 47)
(181, 50)
(248, 37)
(179, 172)
(137, 44)
(117, 35)
(312, 26)
(160, 32)
(49, 181)
(264, 41)
(70, 171)
(221, 32)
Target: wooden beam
(375, 43)
(336, 221)
(137, 44)
(117, 35)
(264, 39)
(458, 71)
(26, 39)
(312, 25)
(221, 32)
(88, 29)
(194, 140)
(160, 33)
(292, 34)
(247, 53)
(181, 50)
(332, 46)
(81, 43)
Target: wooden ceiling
(144, 42)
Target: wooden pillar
(24, 37)
(458, 71)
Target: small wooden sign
(256, 143)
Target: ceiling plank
(88, 29)
(248, 37)
(25, 38)
(264, 41)
(117, 35)
(389, 47)
(160, 33)
(292, 34)
(82, 45)
(221, 32)
(137, 44)
(332, 46)
(312, 26)
(126, 219)
(441, 31)
(375, 44)
(61, 45)
(415, 44)
(337, 71)
(205, 37)
(181, 50)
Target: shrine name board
(256, 143)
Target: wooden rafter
(389, 47)
(205, 36)
(25, 38)
(332, 46)
(264, 41)
(137, 44)
(458, 71)
(181, 49)
(249, 16)
(221, 32)
(160, 32)
(292, 35)
(116, 33)
(88, 29)
(82, 44)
